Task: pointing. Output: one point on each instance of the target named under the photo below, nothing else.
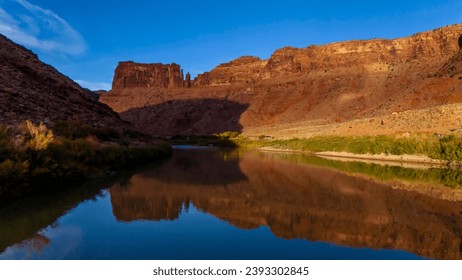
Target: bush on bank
(33, 156)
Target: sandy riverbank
(411, 161)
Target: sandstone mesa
(301, 92)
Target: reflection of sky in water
(63, 242)
(90, 231)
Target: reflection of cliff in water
(146, 196)
(295, 201)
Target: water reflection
(416, 173)
(23, 220)
(205, 204)
(148, 195)
(294, 200)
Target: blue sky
(85, 39)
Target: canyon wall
(426, 47)
(300, 88)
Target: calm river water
(217, 204)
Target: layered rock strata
(302, 87)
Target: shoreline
(438, 190)
(411, 161)
(417, 161)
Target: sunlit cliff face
(325, 84)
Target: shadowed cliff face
(295, 201)
(187, 117)
(322, 84)
(31, 89)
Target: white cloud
(94, 85)
(38, 28)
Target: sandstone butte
(31, 89)
(411, 84)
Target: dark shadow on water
(187, 117)
(207, 167)
(202, 141)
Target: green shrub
(451, 148)
(418, 144)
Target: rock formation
(142, 75)
(188, 80)
(242, 70)
(300, 88)
(452, 68)
(30, 89)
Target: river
(207, 203)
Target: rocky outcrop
(245, 69)
(318, 85)
(143, 75)
(452, 68)
(30, 89)
(187, 81)
(425, 47)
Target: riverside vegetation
(34, 157)
(449, 177)
(447, 148)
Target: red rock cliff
(298, 88)
(425, 47)
(244, 69)
(142, 75)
